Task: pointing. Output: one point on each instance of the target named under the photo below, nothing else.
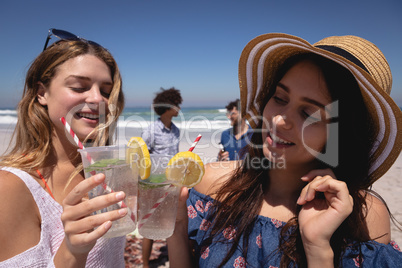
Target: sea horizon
(203, 118)
(141, 117)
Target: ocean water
(188, 118)
(206, 118)
(203, 118)
(8, 116)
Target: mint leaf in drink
(157, 178)
(108, 162)
(154, 181)
(104, 164)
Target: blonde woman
(46, 218)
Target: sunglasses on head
(64, 35)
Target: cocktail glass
(120, 176)
(157, 201)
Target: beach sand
(389, 187)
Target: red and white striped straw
(195, 142)
(104, 185)
(152, 209)
(160, 200)
(68, 128)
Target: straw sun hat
(263, 55)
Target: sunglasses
(64, 35)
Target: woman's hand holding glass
(79, 224)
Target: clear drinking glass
(157, 201)
(120, 176)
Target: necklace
(44, 181)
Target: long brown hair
(33, 132)
(239, 199)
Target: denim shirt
(162, 140)
(234, 146)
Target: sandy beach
(389, 186)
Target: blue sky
(191, 45)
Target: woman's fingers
(79, 225)
(74, 212)
(327, 185)
(317, 172)
(337, 193)
(326, 203)
(91, 222)
(80, 242)
(314, 178)
(309, 191)
(74, 206)
(81, 189)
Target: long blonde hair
(33, 131)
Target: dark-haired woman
(325, 130)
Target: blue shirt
(162, 140)
(264, 241)
(232, 145)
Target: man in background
(237, 137)
(162, 137)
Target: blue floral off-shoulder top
(264, 241)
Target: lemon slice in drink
(137, 155)
(185, 168)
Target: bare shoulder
(16, 197)
(20, 229)
(13, 188)
(216, 173)
(378, 220)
